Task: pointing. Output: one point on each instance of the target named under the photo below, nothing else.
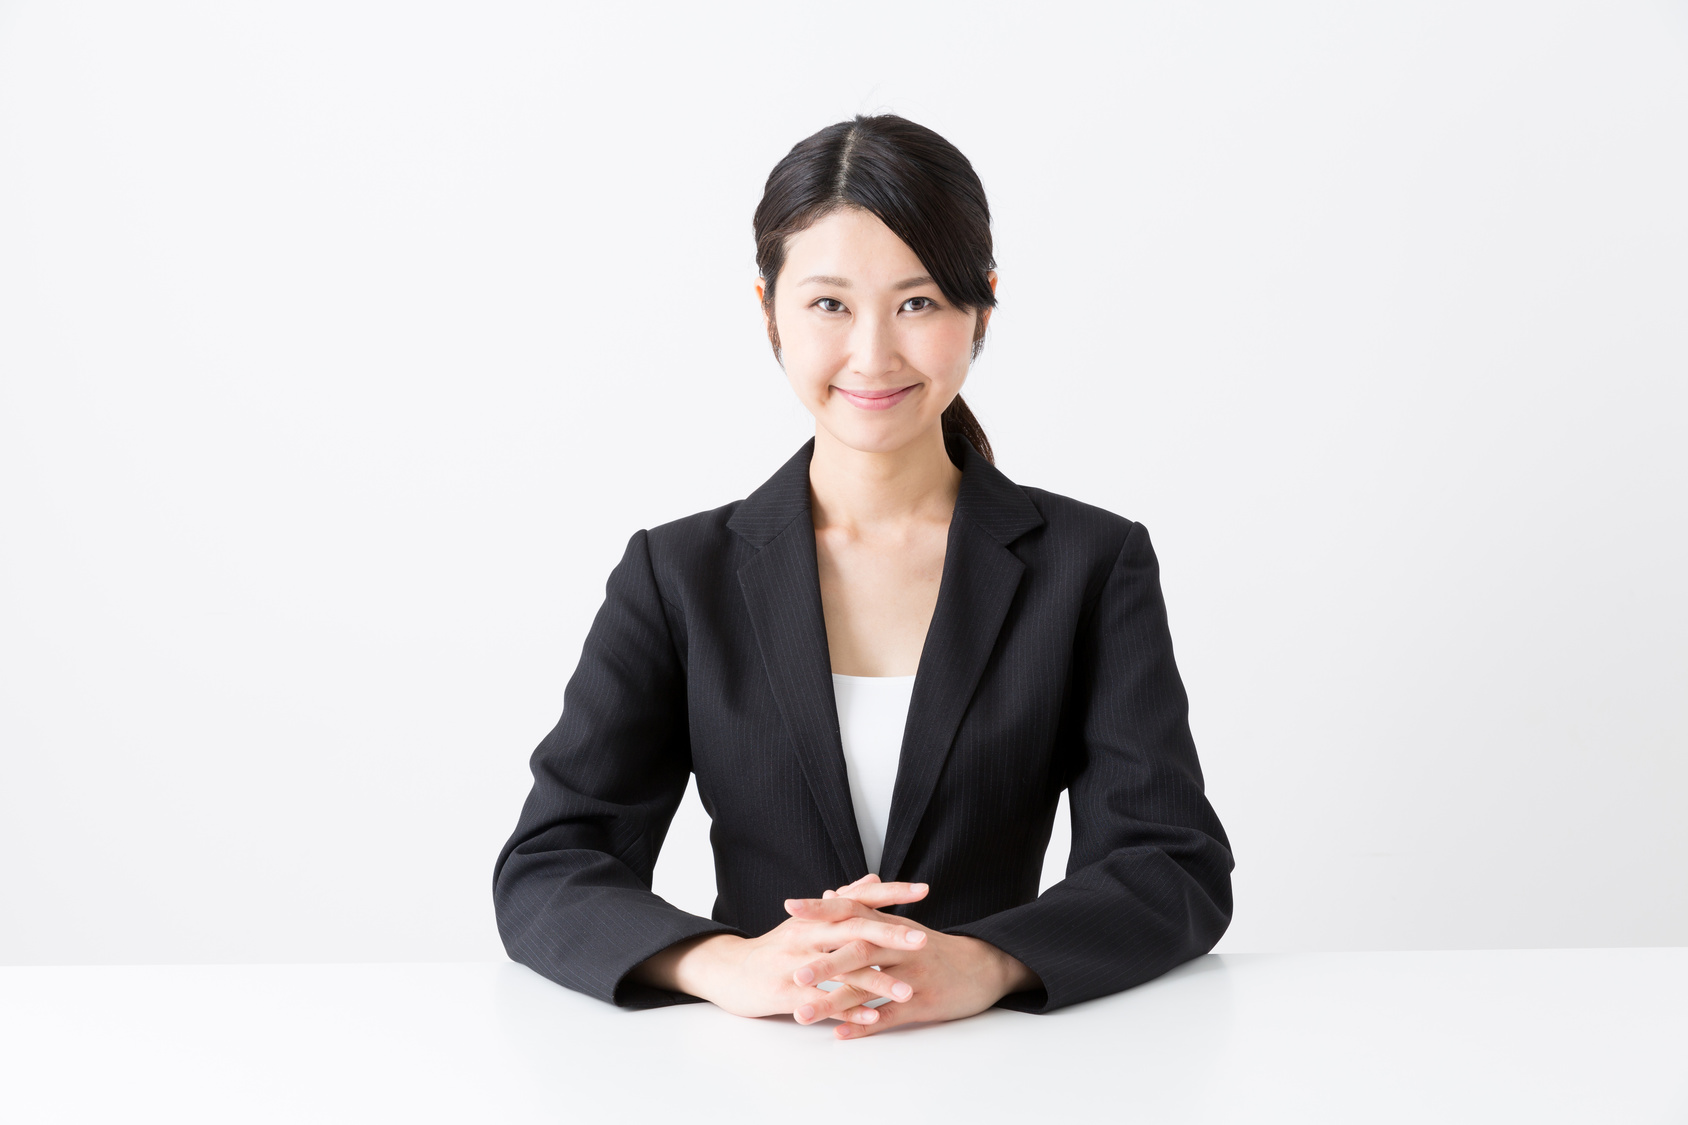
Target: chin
(874, 439)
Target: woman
(883, 666)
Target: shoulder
(695, 548)
(705, 530)
(1085, 549)
(1071, 524)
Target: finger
(882, 930)
(879, 983)
(834, 906)
(844, 909)
(886, 894)
(890, 1015)
(854, 920)
(847, 958)
(861, 1013)
(826, 1005)
(870, 877)
(831, 909)
(843, 947)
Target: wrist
(698, 968)
(1006, 972)
(688, 966)
(1017, 976)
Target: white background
(343, 345)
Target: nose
(873, 347)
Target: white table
(1525, 1035)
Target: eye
(928, 303)
(830, 304)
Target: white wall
(343, 345)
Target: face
(870, 345)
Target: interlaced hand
(948, 976)
(844, 936)
(837, 938)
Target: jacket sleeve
(1148, 883)
(572, 887)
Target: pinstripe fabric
(1048, 665)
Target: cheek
(811, 353)
(942, 348)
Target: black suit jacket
(1047, 666)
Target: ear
(984, 318)
(768, 320)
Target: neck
(853, 489)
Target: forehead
(853, 244)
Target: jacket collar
(781, 585)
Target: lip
(876, 400)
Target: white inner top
(872, 711)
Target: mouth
(876, 400)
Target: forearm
(1108, 927)
(587, 924)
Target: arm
(1148, 882)
(572, 887)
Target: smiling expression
(870, 345)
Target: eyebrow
(844, 282)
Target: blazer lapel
(781, 585)
(782, 590)
(979, 580)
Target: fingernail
(901, 991)
(806, 1012)
(870, 1015)
(915, 937)
(920, 887)
(805, 976)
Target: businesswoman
(884, 665)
